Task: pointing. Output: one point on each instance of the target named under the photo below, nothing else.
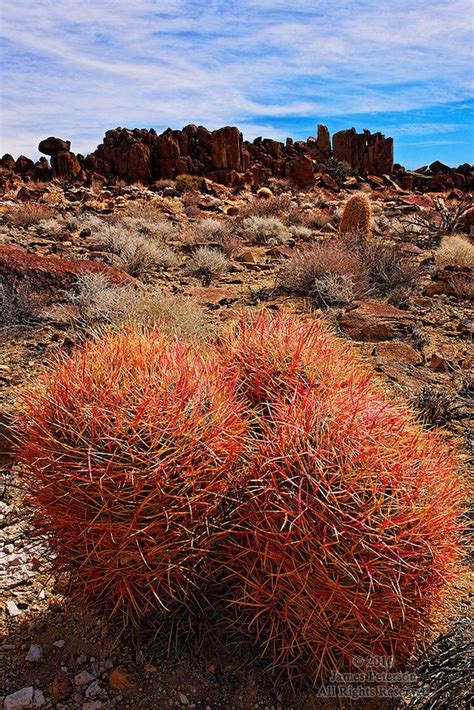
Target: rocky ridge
(142, 155)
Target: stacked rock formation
(142, 155)
(64, 164)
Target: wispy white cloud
(76, 69)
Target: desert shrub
(189, 183)
(100, 302)
(133, 442)
(86, 220)
(446, 217)
(264, 230)
(436, 406)
(208, 263)
(329, 274)
(455, 250)
(152, 210)
(160, 229)
(357, 217)
(210, 230)
(462, 286)
(16, 305)
(270, 207)
(388, 269)
(301, 232)
(52, 227)
(138, 254)
(29, 214)
(349, 530)
(317, 219)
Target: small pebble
(83, 678)
(12, 609)
(59, 644)
(93, 690)
(21, 699)
(38, 698)
(35, 654)
(183, 699)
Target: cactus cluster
(271, 462)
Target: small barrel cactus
(357, 217)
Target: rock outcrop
(366, 152)
(46, 278)
(142, 155)
(64, 164)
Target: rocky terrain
(191, 228)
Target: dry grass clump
(214, 231)
(29, 214)
(299, 231)
(52, 227)
(316, 219)
(455, 250)
(277, 206)
(152, 210)
(137, 253)
(388, 269)
(463, 286)
(159, 229)
(101, 303)
(208, 263)
(210, 230)
(189, 183)
(16, 305)
(264, 230)
(329, 274)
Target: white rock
(183, 699)
(35, 654)
(9, 548)
(59, 643)
(93, 690)
(83, 678)
(21, 699)
(38, 698)
(12, 609)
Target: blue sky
(75, 69)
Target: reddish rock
(213, 295)
(373, 321)
(7, 162)
(25, 167)
(301, 172)
(226, 148)
(65, 165)
(468, 220)
(45, 277)
(51, 145)
(323, 141)
(364, 152)
(397, 351)
(330, 182)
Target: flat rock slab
(374, 321)
(47, 277)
